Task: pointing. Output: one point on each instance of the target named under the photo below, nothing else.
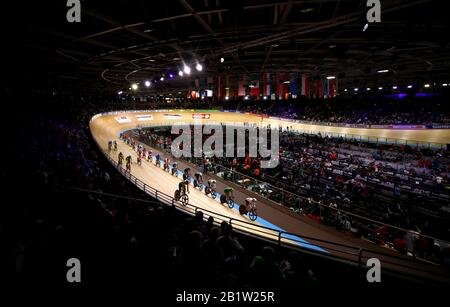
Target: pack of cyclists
(181, 194)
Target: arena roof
(120, 42)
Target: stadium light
(222, 60)
(265, 97)
(368, 89)
(226, 97)
(180, 73)
(147, 83)
(427, 85)
(394, 87)
(444, 84)
(199, 67)
(331, 77)
(356, 89)
(187, 70)
(119, 93)
(409, 86)
(380, 88)
(345, 90)
(161, 79)
(134, 86)
(382, 71)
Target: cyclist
(175, 168)
(149, 156)
(211, 187)
(120, 158)
(115, 145)
(228, 196)
(186, 183)
(187, 173)
(229, 192)
(198, 179)
(109, 145)
(166, 164)
(250, 202)
(128, 164)
(182, 187)
(158, 160)
(139, 160)
(212, 184)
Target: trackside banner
(172, 116)
(144, 117)
(123, 120)
(201, 116)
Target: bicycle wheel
(252, 215)
(184, 200)
(230, 203)
(213, 195)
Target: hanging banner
(293, 85)
(305, 85)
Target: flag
(203, 83)
(241, 86)
(293, 85)
(305, 85)
(316, 88)
(326, 88)
(321, 88)
(255, 90)
(210, 81)
(333, 87)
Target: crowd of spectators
(409, 110)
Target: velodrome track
(105, 127)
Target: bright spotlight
(383, 71)
(409, 86)
(356, 89)
(199, 67)
(427, 85)
(180, 73)
(444, 84)
(394, 87)
(161, 79)
(170, 76)
(368, 89)
(265, 97)
(187, 70)
(134, 86)
(222, 60)
(246, 97)
(147, 83)
(226, 97)
(331, 77)
(119, 93)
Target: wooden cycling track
(106, 127)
